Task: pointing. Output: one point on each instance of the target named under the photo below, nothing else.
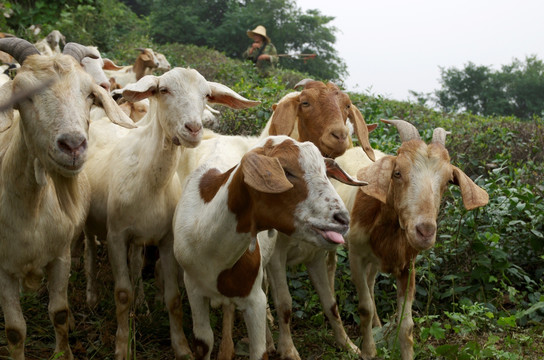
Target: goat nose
(341, 218)
(426, 230)
(72, 144)
(340, 135)
(105, 85)
(193, 127)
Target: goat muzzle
(425, 235)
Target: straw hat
(259, 30)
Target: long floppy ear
(361, 130)
(378, 176)
(222, 94)
(284, 116)
(142, 89)
(371, 127)
(114, 112)
(264, 174)
(110, 65)
(336, 172)
(473, 195)
(146, 56)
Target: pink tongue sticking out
(334, 237)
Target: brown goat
(319, 113)
(130, 74)
(394, 218)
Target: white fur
(206, 247)
(234, 147)
(50, 45)
(44, 197)
(135, 187)
(94, 68)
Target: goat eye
(397, 174)
(305, 103)
(163, 90)
(288, 174)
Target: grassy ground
(94, 334)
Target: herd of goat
(228, 214)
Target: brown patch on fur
(287, 316)
(334, 311)
(210, 183)
(143, 61)
(14, 336)
(388, 240)
(264, 356)
(61, 317)
(201, 349)
(239, 279)
(256, 211)
(406, 284)
(363, 312)
(123, 297)
(381, 221)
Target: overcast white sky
(392, 46)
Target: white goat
(95, 68)
(50, 45)
(394, 218)
(135, 187)
(44, 197)
(280, 184)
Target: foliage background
(480, 293)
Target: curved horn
(303, 82)
(439, 136)
(20, 49)
(79, 51)
(406, 130)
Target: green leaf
(437, 331)
(447, 350)
(508, 321)
(537, 233)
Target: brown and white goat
(162, 66)
(44, 197)
(318, 113)
(124, 75)
(394, 218)
(280, 184)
